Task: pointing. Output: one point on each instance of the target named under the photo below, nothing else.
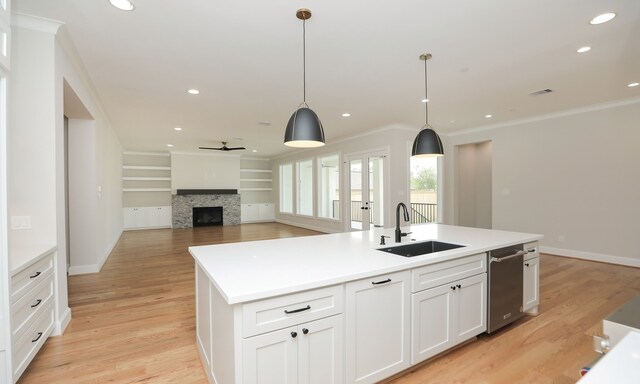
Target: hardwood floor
(134, 322)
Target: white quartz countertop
(621, 365)
(256, 270)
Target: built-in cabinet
(32, 310)
(257, 212)
(256, 190)
(531, 278)
(146, 188)
(378, 312)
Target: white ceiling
(362, 58)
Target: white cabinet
(531, 279)
(310, 353)
(147, 217)
(450, 313)
(377, 327)
(257, 212)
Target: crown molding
(35, 23)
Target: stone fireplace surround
(184, 200)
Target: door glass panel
(329, 187)
(376, 190)
(424, 190)
(355, 186)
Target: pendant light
(304, 129)
(427, 143)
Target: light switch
(20, 222)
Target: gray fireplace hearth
(184, 201)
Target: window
(286, 188)
(305, 187)
(329, 187)
(424, 190)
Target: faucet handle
(382, 239)
(403, 234)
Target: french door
(366, 196)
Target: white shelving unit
(146, 188)
(255, 190)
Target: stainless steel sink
(417, 249)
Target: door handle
(500, 259)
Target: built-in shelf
(256, 170)
(146, 189)
(147, 167)
(254, 189)
(265, 180)
(140, 178)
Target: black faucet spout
(405, 212)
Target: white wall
(204, 171)
(572, 177)
(473, 181)
(394, 138)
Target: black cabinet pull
(453, 287)
(526, 264)
(308, 307)
(459, 286)
(381, 282)
(37, 338)
(294, 334)
(305, 330)
(37, 303)
(531, 250)
(36, 275)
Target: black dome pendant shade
(427, 143)
(304, 129)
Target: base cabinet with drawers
(531, 278)
(32, 310)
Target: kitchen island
(334, 309)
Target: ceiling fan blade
(235, 148)
(215, 149)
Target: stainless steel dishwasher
(505, 286)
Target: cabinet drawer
(284, 311)
(26, 347)
(28, 307)
(531, 250)
(25, 280)
(441, 273)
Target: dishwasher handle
(500, 259)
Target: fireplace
(185, 200)
(207, 216)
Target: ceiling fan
(224, 147)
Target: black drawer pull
(37, 303)
(531, 250)
(36, 275)
(37, 338)
(381, 282)
(308, 307)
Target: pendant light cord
(426, 96)
(304, 61)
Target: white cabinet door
(135, 218)
(203, 314)
(271, 357)
(431, 322)
(159, 216)
(266, 212)
(470, 311)
(321, 352)
(531, 288)
(249, 212)
(378, 327)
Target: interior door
(366, 197)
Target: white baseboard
(592, 256)
(62, 322)
(94, 268)
(306, 226)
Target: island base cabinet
(377, 327)
(447, 315)
(530, 294)
(310, 353)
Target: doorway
(473, 178)
(366, 203)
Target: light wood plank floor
(134, 322)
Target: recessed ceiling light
(633, 85)
(583, 49)
(254, 151)
(169, 145)
(346, 114)
(125, 5)
(425, 100)
(452, 121)
(177, 129)
(488, 116)
(602, 18)
(193, 91)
